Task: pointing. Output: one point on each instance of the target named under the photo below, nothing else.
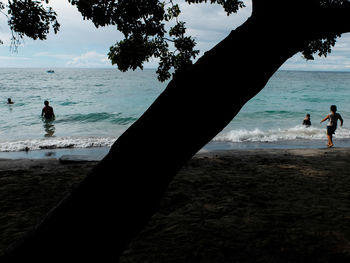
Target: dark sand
(29, 188)
(231, 206)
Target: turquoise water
(274, 116)
(94, 106)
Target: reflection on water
(49, 127)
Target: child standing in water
(332, 118)
(307, 120)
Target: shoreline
(257, 205)
(97, 153)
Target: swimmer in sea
(47, 111)
(307, 120)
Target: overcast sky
(80, 44)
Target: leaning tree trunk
(98, 220)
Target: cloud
(337, 60)
(80, 44)
(13, 61)
(209, 23)
(89, 59)
(7, 58)
(212, 17)
(52, 55)
(5, 38)
(75, 30)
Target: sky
(80, 45)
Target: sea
(93, 107)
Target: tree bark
(97, 221)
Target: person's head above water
(46, 103)
(333, 108)
(9, 101)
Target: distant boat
(50, 71)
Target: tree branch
(305, 17)
(336, 20)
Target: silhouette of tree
(29, 18)
(101, 216)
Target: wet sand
(268, 205)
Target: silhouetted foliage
(29, 18)
(152, 29)
(99, 218)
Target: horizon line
(154, 68)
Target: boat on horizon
(50, 71)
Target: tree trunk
(118, 198)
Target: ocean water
(93, 107)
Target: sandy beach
(267, 205)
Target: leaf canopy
(151, 28)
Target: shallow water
(84, 100)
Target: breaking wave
(232, 136)
(56, 143)
(276, 135)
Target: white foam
(239, 135)
(276, 135)
(56, 143)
